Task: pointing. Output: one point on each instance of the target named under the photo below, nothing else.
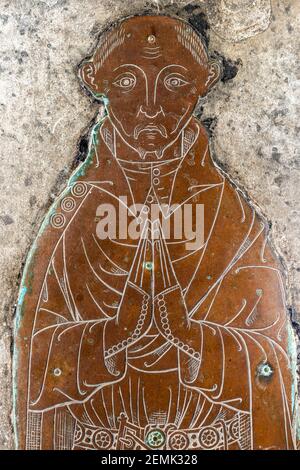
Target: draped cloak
(232, 287)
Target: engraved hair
(185, 35)
(107, 44)
(193, 43)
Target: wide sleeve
(67, 360)
(68, 363)
(240, 357)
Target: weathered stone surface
(44, 112)
(236, 20)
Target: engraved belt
(217, 436)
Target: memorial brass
(151, 313)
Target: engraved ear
(87, 73)
(214, 73)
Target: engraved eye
(126, 81)
(174, 81)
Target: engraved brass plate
(152, 312)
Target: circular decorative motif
(150, 199)
(102, 439)
(208, 437)
(79, 432)
(68, 204)
(155, 438)
(178, 441)
(234, 429)
(79, 189)
(57, 220)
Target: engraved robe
(233, 299)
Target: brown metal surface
(150, 341)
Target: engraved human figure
(137, 336)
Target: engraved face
(152, 73)
(148, 106)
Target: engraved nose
(151, 111)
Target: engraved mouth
(151, 129)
